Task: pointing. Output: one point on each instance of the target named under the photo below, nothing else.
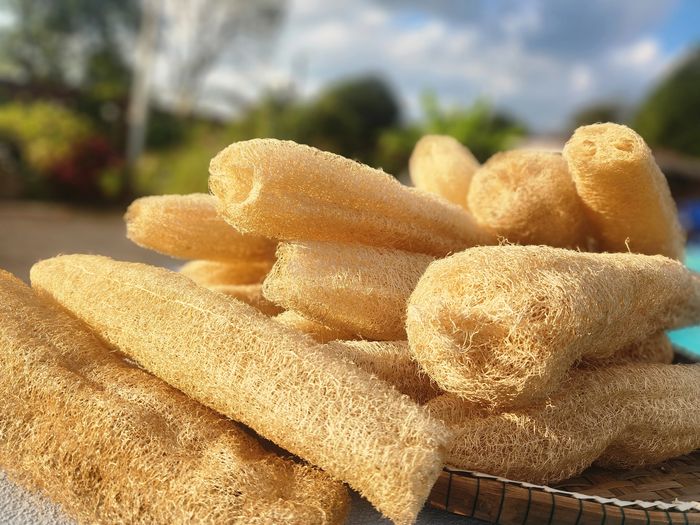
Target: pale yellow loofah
(318, 331)
(655, 349)
(250, 294)
(208, 273)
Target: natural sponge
(528, 197)
(250, 294)
(188, 227)
(112, 444)
(656, 349)
(359, 289)
(319, 332)
(501, 325)
(441, 165)
(624, 416)
(626, 196)
(208, 273)
(289, 191)
(243, 364)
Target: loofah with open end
(528, 197)
(439, 164)
(292, 192)
(276, 380)
(623, 416)
(501, 325)
(626, 196)
(213, 273)
(358, 289)
(112, 444)
(188, 227)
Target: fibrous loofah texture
(626, 196)
(188, 227)
(212, 273)
(441, 165)
(528, 197)
(656, 349)
(359, 289)
(501, 325)
(232, 358)
(390, 361)
(250, 294)
(624, 416)
(318, 331)
(289, 191)
(113, 444)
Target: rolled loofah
(359, 289)
(528, 197)
(390, 361)
(625, 416)
(626, 196)
(289, 191)
(656, 349)
(208, 273)
(319, 332)
(112, 444)
(250, 294)
(235, 360)
(188, 227)
(501, 325)
(441, 165)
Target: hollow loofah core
(501, 325)
(112, 444)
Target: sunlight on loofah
(209, 273)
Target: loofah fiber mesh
(317, 331)
(232, 358)
(113, 444)
(656, 349)
(289, 191)
(626, 196)
(359, 289)
(624, 416)
(390, 361)
(439, 164)
(501, 325)
(208, 273)
(528, 197)
(250, 294)
(188, 227)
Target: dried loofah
(655, 349)
(625, 416)
(232, 358)
(359, 289)
(289, 191)
(250, 294)
(528, 197)
(390, 361)
(188, 227)
(501, 325)
(624, 192)
(113, 444)
(441, 165)
(208, 273)
(317, 331)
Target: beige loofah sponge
(528, 197)
(501, 325)
(359, 289)
(112, 444)
(441, 165)
(250, 294)
(188, 227)
(655, 349)
(208, 273)
(624, 416)
(624, 192)
(318, 331)
(232, 358)
(289, 191)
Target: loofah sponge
(319, 332)
(250, 294)
(289, 191)
(528, 197)
(501, 325)
(112, 444)
(188, 227)
(625, 416)
(441, 165)
(239, 362)
(359, 289)
(209, 273)
(655, 349)
(390, 361)
(626, 196)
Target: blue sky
(538, 59)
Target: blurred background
(105, 100)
